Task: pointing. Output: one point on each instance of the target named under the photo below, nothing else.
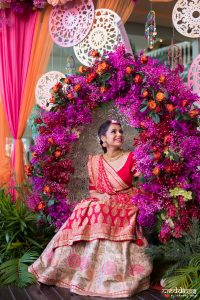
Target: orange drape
(123, 8)
(40, 53)
(4, 157)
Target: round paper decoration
(186, 17)
(104, 36)
(70, 23)
(194, 75)
(43, 86)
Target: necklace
(115, 157)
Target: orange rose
(194, 113)
(102, 67)
(81, 69)
(28, 170)
(57, 153)
(69, 96)
(144, 59)
(68, 81)
(41, 205)
(151, 104)
(170, 107)
(46, 189)
(91, 77)
(77, 87)
(167, 139)
(157, 155)
(94, 53)
(138, 79)
(103, 89)
(184, 102)
(161, 79)
(55, 89)
(142, 124)
(34, 154)
(145, 94)
(52, 100)
(156, 171)
(160, 96)
(129, 70)
(50, 140)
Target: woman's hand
(100, 196)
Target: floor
(43, 292)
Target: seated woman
(100, 250)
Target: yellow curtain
(123, 8)
(40, 53)
(4, 155)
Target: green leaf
(51, 202)
(104, 77)
(155, 117)
(143, 108)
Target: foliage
(154, 100)
(182, 258)
(22, 239)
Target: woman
(100, 251)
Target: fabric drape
(122, 8)
(4, 158)
(40, 53)
(25, 49)
(15, 48)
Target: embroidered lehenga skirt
(95, 252)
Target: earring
(104, 144)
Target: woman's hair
(103, 129)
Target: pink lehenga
(99, 250)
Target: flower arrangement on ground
(167, 149)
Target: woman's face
(114, 136)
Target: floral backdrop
(158, 104)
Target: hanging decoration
(174, 56)
(70, 65)
(69, 24)
(43, 89)
(104, 36)
(194, 76)
(186, 18)
(150, 29)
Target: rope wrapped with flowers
(154, 100)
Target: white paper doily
(194, 75)
(186, 17)
(43, 86)
(70, 23)
(104, 36)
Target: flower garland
(167, 149)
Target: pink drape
(15, 49)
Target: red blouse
(126, 172)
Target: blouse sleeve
(92, 187)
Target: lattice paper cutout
(194, 75)
(44, 84)
(186, 17)
(104, 36)
(69, 24)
